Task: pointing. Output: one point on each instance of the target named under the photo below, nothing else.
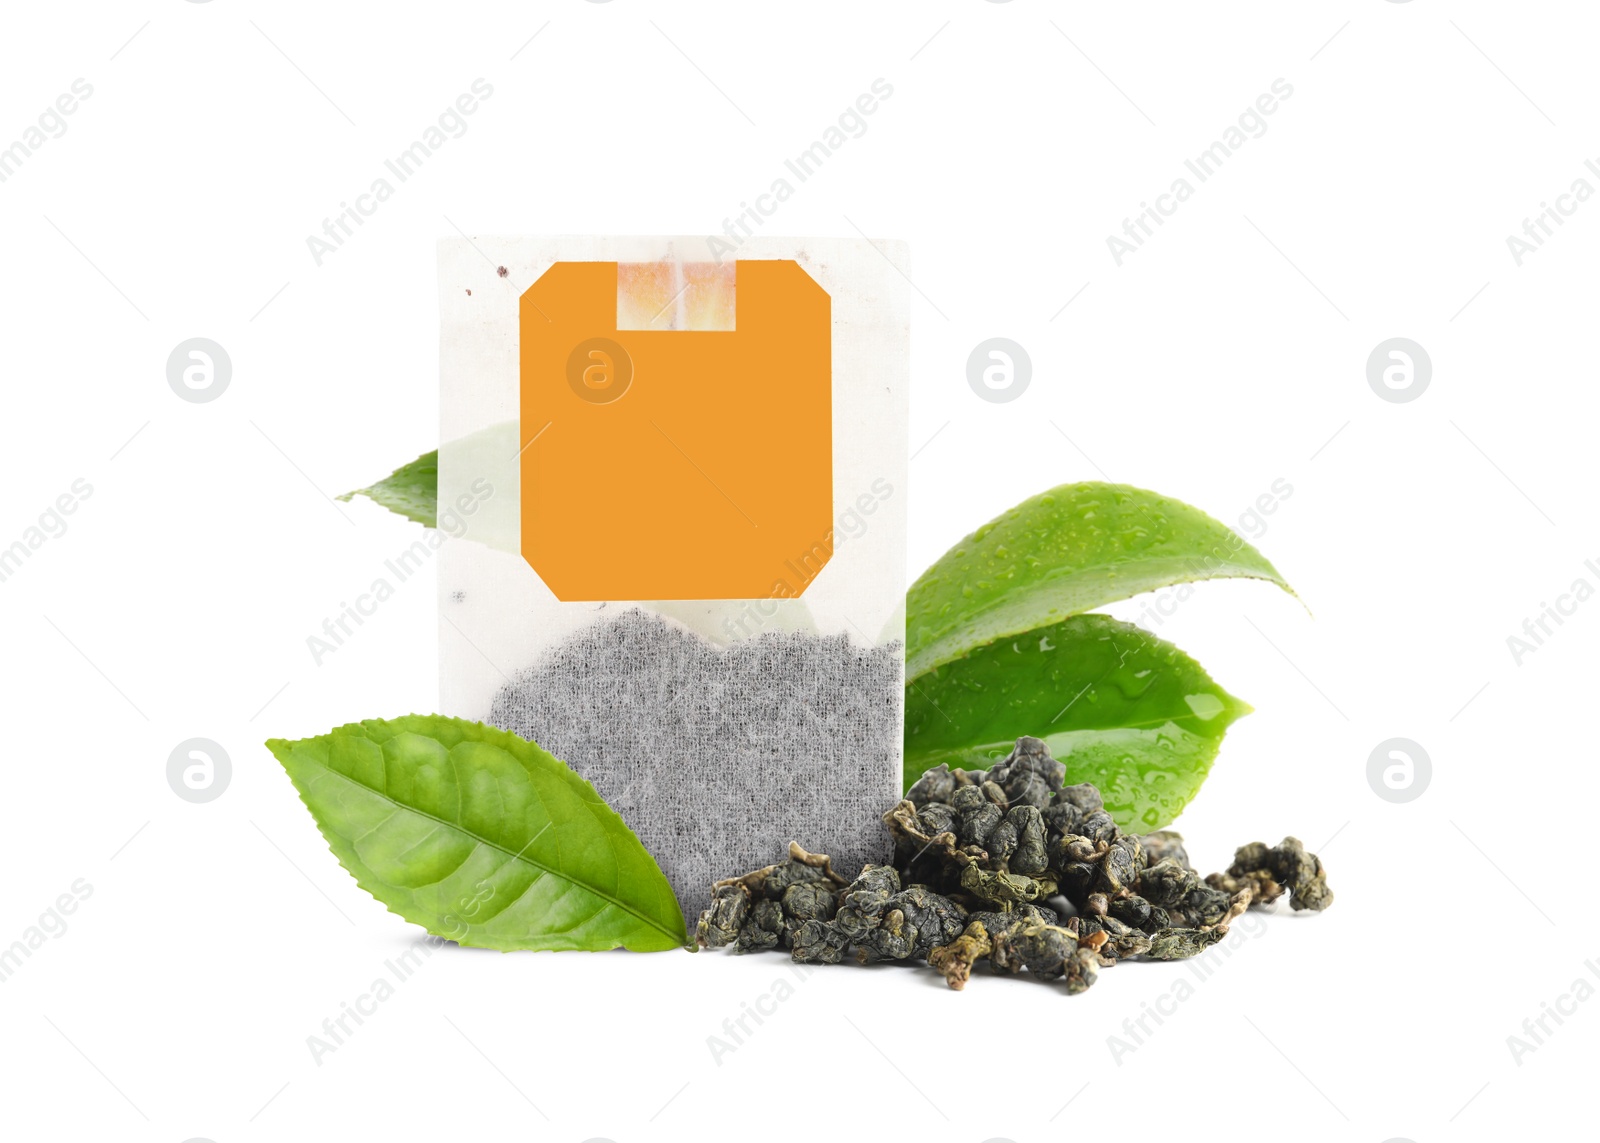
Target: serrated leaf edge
(369, 492)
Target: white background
(1228, 353)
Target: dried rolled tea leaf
(1075, 861)
(1003, 890)
(914, 830)
(926, 850)
(810, 901)
(913, 922)
(1099, 827)
(1261, 881)
(761, 909)
(1084, 797)
(820, 942)
(861, 908)
(1181, 896)
(1165, 843)
(1081, 970)
(979, 814)
(1046, 951)
(1286, 864)
(765, 928)
(863, 901)
(1117, 940)
(1237, 904)
(719, 925)
(798, 868)
(955, 960)
(937, 785)
(934, 819)
(1180, 944)
(1019, 840)
(1124, 860)
(1134, 910)
(1040, 948)
(1028, 775)
(1167, 882)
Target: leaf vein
(566, 878)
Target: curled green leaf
(1061, 553)
(481, 837)
(1119, 707)
(412, 490)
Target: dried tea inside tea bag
(718, 756)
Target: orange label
(676, 464)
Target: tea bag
(683, 571)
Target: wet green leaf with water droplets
(1120, 708)
(1061, 553)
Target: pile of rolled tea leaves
(982, 861)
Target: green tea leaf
(480, 836)
(1063, 552)
(1120, 708)
(412, 490)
